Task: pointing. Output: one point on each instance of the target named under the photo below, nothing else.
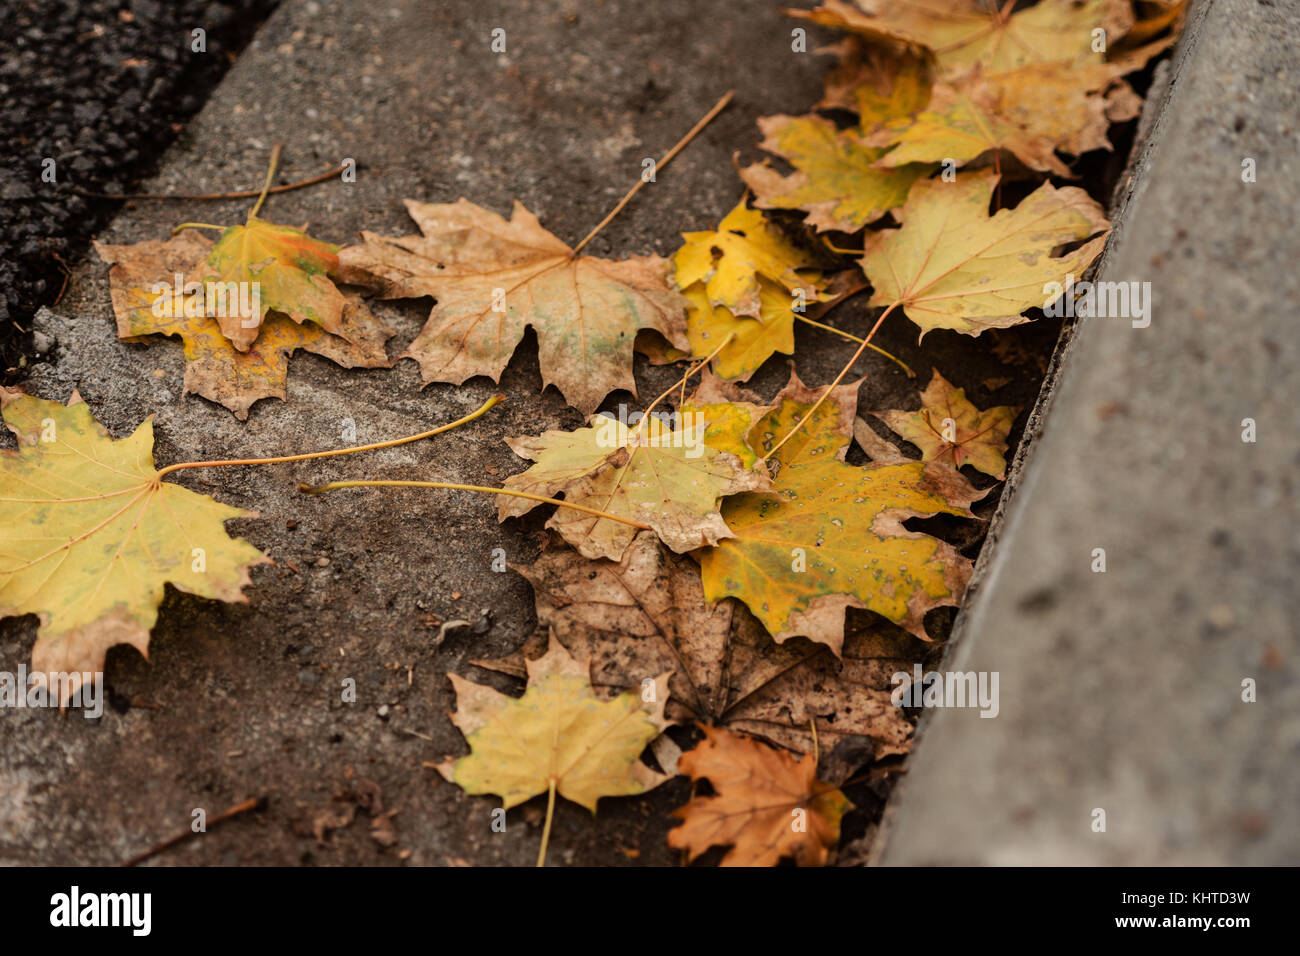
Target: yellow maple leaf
(559, 738)
(836, 181)
(830, 536)
(766, 806)
(731, 259)
(953, 266)
(145, 303)
(494, 278)
(949, 428)
(753, 341)
(89, 535)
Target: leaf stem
(718, 107)
(853, 338)
(831, 387)
(450, 486)
(546, 829)
(190, 197)
(683, 380)
(270, 174)
(494, 400)
(197, 225)
(838, 251)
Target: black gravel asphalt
(101, 87)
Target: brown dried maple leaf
(493, 278)
(647, 614)
(949, 428)
(767, 805)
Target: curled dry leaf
(290, 269)
(996, 36)
(730, 260)
(494, 278)
(879, 83)
(837, 180)
(953, 266)
(766, 806)
(1031, 112)
(671, 477)
(142, 284)
(647, 614)
(1156, 16)
(558, 735)
(89, 535)
(950, 429)
(830, 536)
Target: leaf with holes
(830, 536)
(89, 535)
(647, 614)
(730, 261)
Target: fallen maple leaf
(955, 128)
(830, 536)
(727, 413)
(670, 477)
(879, 83)
(647, 614)
(753, 341)
(953, 266)
(558, 738)
(1030, 112)
(964, 33)
(949, 428)
(290, 269)
(494, 278)
(89, 535)
(731, 259)
(836, 181)
(214, 368)
(767, 804)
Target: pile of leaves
(703, 562)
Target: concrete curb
(1122, 691)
